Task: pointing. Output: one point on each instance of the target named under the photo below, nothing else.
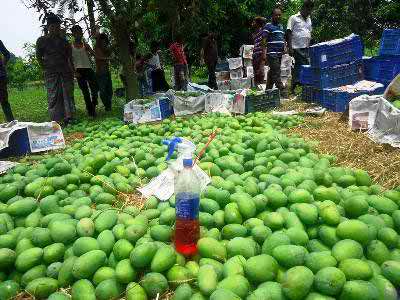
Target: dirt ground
(353, 149)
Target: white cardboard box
(237, 73)
(235, 63)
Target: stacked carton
(241, 74)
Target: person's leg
(55, 97)
(5, 105)
(259, 71)
(109, 91)
(214, 77)
(278, 80)
(296, 70)
(105, 86)
(301, 57)
(83, 85)
(94, 87)
(164, 84)
(274, 74)
(210, 81)
(270, 82)
(185, 74)
(68, 96)
(155, 81)
(177, 77)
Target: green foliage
(20, 71)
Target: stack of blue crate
(386, 66)
(334, 64)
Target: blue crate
(338, 101)
(324, 55)
(317, 96)
(18, 144)
(382, 69)
(224, 66)
(306, 75)
(390, 42)
(339, 75)
(166, 107)
(369, 67)
(311, 94)
(307, 93)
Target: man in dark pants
(210, 56)
(83, 70)
(275, 37)
(181, 71)
(298, 38)
(103, 57)
(53, 53)
(5, 105)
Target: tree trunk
(122, 39)
(92, 20)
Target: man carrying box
(298, 34)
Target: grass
(30, 103)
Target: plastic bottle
(187, 198)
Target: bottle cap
(187, 162)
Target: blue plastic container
(347, 51)
(307, 93)
(18, 144)
(339, 75)
(382, 69)
(338, 101)
(390, 42)
(306, 75)
(311, 94)
(224, 66)
(166, 107)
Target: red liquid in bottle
(187, 228)
(187, 234)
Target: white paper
(162, 187)
(219, 102)
(285, 113)
(386, 129)
(137, 113)
(362, 112)
(45, 137)
(6, 165)
(42, 136)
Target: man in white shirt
(298, 34)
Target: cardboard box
(235, 63)
(237, 73)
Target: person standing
(180, 64)
(54, 55)
(5, 105)
(259, 51)
(275, 38)
(140, 69)
(83, 70)
(210, 57)
(158, 82)
(103, 55)
(298, 34)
